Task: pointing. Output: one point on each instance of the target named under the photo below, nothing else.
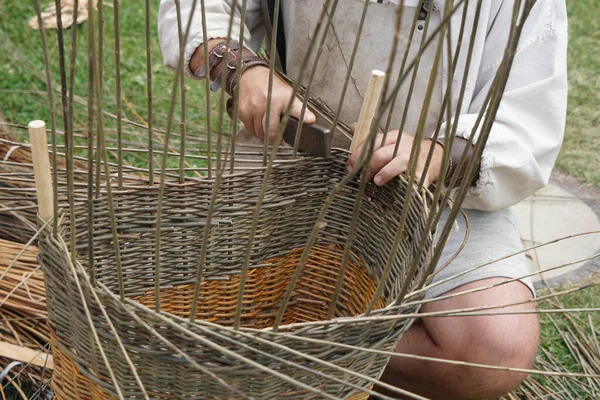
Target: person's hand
(254, 85)
(384, 166)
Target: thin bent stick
(211, 329)
(403, 65)
(491, 286)
(25, 246)
(465, 312)
(65, 108)
(96, 337)
(110, 326)
(446, 103)
(52, 113)
(417, 357)
(415, 71)
(100, 84)
(174, 347)
(454, 127)
(24, 279)
(353, 58)
(501, 259)
(229, 353)
(415, 151)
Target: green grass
(580, 155)
(23, 89)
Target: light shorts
(491, 235)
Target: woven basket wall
(296, 191)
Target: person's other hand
(253, 95)
(384, 166)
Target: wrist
(455, 166)
(224, 60)
(197, 60)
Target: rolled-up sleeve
(526, 136)
(218, 16)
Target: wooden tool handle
(367, 110)
(41, 169)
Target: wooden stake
(26, 355)
(367, 110)
(41, 169)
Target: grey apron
(301, 17)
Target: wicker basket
(296, 191)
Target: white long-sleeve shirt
(527, 133)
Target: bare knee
(505, 341)
(513, 347)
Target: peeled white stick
(41, 169)
(367, 110)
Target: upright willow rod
(183, 90)
(161, 188)
(267, 172)
(149, 95)
(272, 53)
(311, 77)
(104, 161)
(118, 94)
(236, 94)
(414, 156)
(403, 64)
(413, 80)
(69, 134)
(219, 171)
(100, 84)
(337, 188)
(207, 91)
(358, 201)
(90, 148)
(52, 115)
(494, 96)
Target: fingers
(381, 158)
(274, 123)
(390, 138)
(392, 169)
(385, 165)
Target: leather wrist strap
(458, 147)
(216, 65)
(215, 56)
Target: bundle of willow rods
(22, 311)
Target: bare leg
(500, 340)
